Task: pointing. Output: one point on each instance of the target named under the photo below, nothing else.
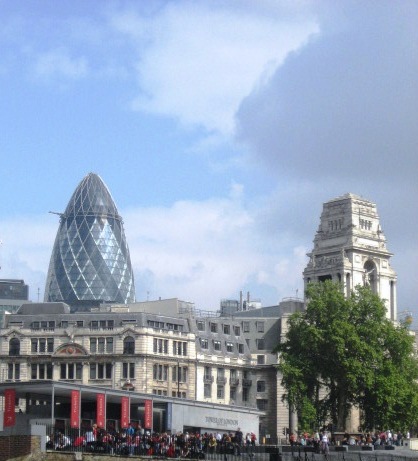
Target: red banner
(148, 414)
(9, 407)
(124, 412)
(75, 409)
(100, 410)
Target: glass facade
(90, 260)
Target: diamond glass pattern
(90, 260)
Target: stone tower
(350, 247)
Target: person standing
(324, 443)
(238, 441)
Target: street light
(178, 379)
(374, 368)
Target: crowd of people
(136, 441)
(321, 441)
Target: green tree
(343, 352)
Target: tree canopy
(343, 352)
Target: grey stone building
(350, 247)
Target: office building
(90, 262)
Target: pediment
(14, 333)
(128, 331)
(71, 350)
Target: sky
(220, 128)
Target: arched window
(129, 345)
(14, 347)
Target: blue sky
(220, 128)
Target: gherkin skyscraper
(90, 261)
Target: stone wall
(17, 446)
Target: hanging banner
(100, 410)
(9, 408)
(75, 409)
(124, 412)
(148, 414)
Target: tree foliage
(343, 352)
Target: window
(246, 327)
(229, 347)
(208, 374)
(46, 325)
(41, 371)
(200, 325)
(160, 392)
(160, 372)
(13, 372)
(129, 345)
(233, 393)
(174, 327)
(128, 370)
(156, 325)
(240, 348)
(181, 377)
(71, 371)
(261, 360)
(260, 327)
(262, 404)
(80, 323)
(100, 371)
(181, 395)
(179, 348)
(160, 346)
(237, 330)
(245, 394)
(227, 329)
(220, 392)
(213, 327)
(220, 376)
(260, 344)
(261, 386)
(203, 343)
(217, 345)
(106, 324)
(102, 324)
(42, 345)
(64, 324)
(101, 345)
(207, 391)
(14, 347)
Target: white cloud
(26, 249)
(199, 251)
(198, 60)
(205, 251)
(58, 63)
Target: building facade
(211, 359)
(12, 294)
(350, 247)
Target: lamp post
(178, 379)
(374, 368)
